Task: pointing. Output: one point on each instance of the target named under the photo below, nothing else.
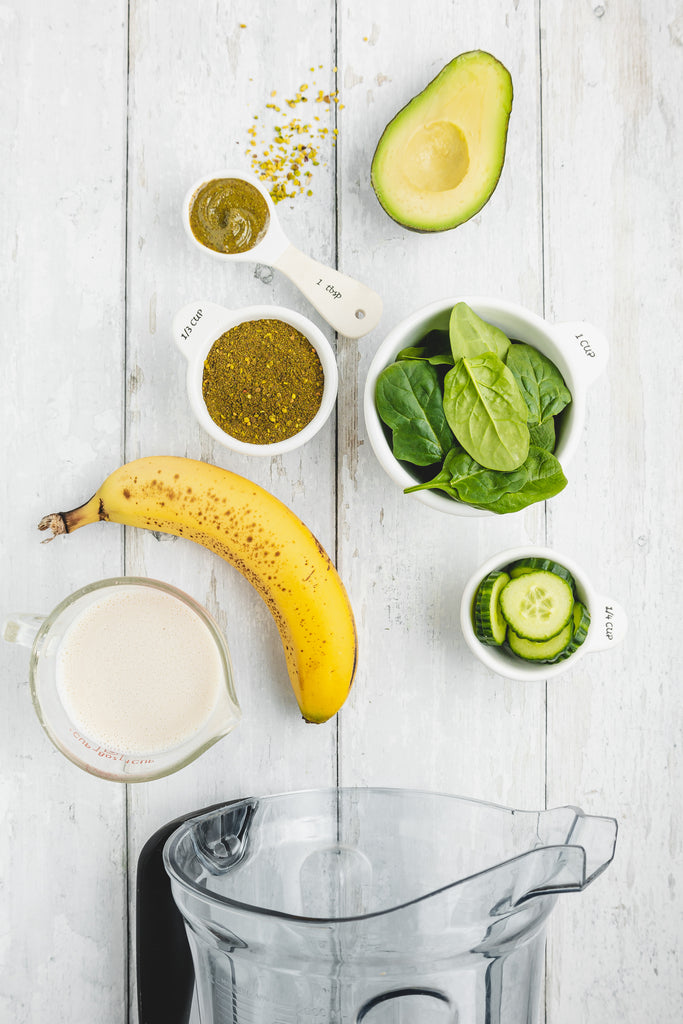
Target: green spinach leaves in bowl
(481, 408)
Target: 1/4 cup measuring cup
(130, 678)
(607, 628)
(342, 906)
(350, 307)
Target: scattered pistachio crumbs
(284, 148)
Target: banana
(262, 539)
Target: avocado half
(440, 158)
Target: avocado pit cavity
(437, 157)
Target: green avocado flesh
(439, 160)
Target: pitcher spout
(597, 836)
(574, 849)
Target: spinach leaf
(444, 479)
(544, 479)
(539, 380)
(543, 434)
(479, 486)
(464, 479)
(486, 412)
(409, 400)
(540, 477)
(472, 336)
(434, 348)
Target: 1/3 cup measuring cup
(130, 678)
(381, 906)
(350, 307)
(195, 329)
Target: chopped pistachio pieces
(283, 155)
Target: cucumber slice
(581, 620)
(525, 565)
(489, 625)
(537, 605)
(540, 650)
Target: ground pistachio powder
(263, 381)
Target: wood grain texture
(612, 189)
(107, 116)
(435, 718)
(62, 854)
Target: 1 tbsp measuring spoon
(350, 307)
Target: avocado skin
(435, 230)
(492, 181)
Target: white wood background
(109, 111)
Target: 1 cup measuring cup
(350, 307)
(131, 678)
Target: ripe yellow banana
(260, 537)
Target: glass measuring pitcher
(130, 677)
(375, 905)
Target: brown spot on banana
(289, 567)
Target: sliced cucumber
(540, 650)
(489, 625)
(581, 620)
(526, 565)
(537, 605)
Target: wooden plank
(63, 891)
(613, 165)
(424, 712)
(221, 67)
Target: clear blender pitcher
(358, 905)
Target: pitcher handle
(21, 629)
(164, 996)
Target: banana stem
(67, 522)
(55, 523)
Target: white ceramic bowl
(199, 324)
(607, 626)
(578, 349)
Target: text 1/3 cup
(131, 678)
(197, 326)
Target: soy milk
(138, 671)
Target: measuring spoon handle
(347, 305)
